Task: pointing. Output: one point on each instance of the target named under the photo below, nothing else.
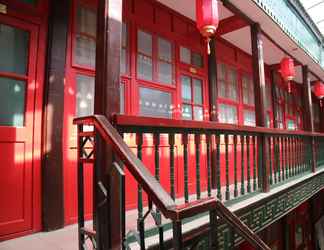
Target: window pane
(124, 35)
(14, 45)
(268, 120)
(122, 98)
(85, 47)
(155, 103)
(85, 95)
(197, 60)
(165, 72)
(186, 112)
(232, 84)
(248, 90)
(197, 84)
(186, 88)
(144, 67)
(185, 55)
(12, 102)
(291, 124)
(123, 61)
(269, 97)
(249, 118)
(221, 71)
(227, 114)
(165, 50)
(144, 41)
(198, 113)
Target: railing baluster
(208, 140)
(286, 157)
(270, 161)
(140, 221)
(248, 163)
(242, 165)
(227, 192)
(235, 165)
(185, 166)
(218, 177)
(254, 163)
(156, 142)
(277, 157)
(172, 174)
(197, 144)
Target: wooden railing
(102, 133)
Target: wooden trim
(52, 172)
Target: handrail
(151, 122)
(155, 191)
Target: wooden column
(260, 97)
(274, 97)
(52, 169)
(212, 84)
(308, 111)
(107, 83)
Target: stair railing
(104, 133)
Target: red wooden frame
(38, 16)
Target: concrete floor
(63, 239)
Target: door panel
(17, 107)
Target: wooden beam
(230, 24)
(260, 97)
(52, 170)
(230, 6)
(108, 220)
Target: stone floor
(63, 239)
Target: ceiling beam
(230, 24)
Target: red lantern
(319, 90)
(287, 70)
(207, 18)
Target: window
(124, 51)
(227, 82)
(146, 62)
(85, 37)
(85, 95)
(227, 114)
(155, 103)
(192, 98)
(248, 90)
(189, 57)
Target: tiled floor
(63, 239)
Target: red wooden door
(18, 42)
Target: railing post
(177, 235)
(260, 97)
(308, 114)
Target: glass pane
(165, 50)
(85, 51)
(198, 113)
(123, 62)
(85, 48)
(232, 84)
(144, 42)
(227, 114)
(12, 102)
(155, 103)
(186, 112)
(186, 88)
(85, 95)
(197, 60)
(165, 72)
(221, 88)
(122, 98)
(221, 71)
(124, 35)
(144, 67)
(268, 120)
(269, 97)
(291, 125)
(249, 118)
(299, 235)
(14, 44)
(248, 90)
(32, 2)
(185, 55)
(197, 84)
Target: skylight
(315, 9)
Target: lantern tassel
(208, 45)
(289, 87)
(321, 103)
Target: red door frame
(36, 17)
